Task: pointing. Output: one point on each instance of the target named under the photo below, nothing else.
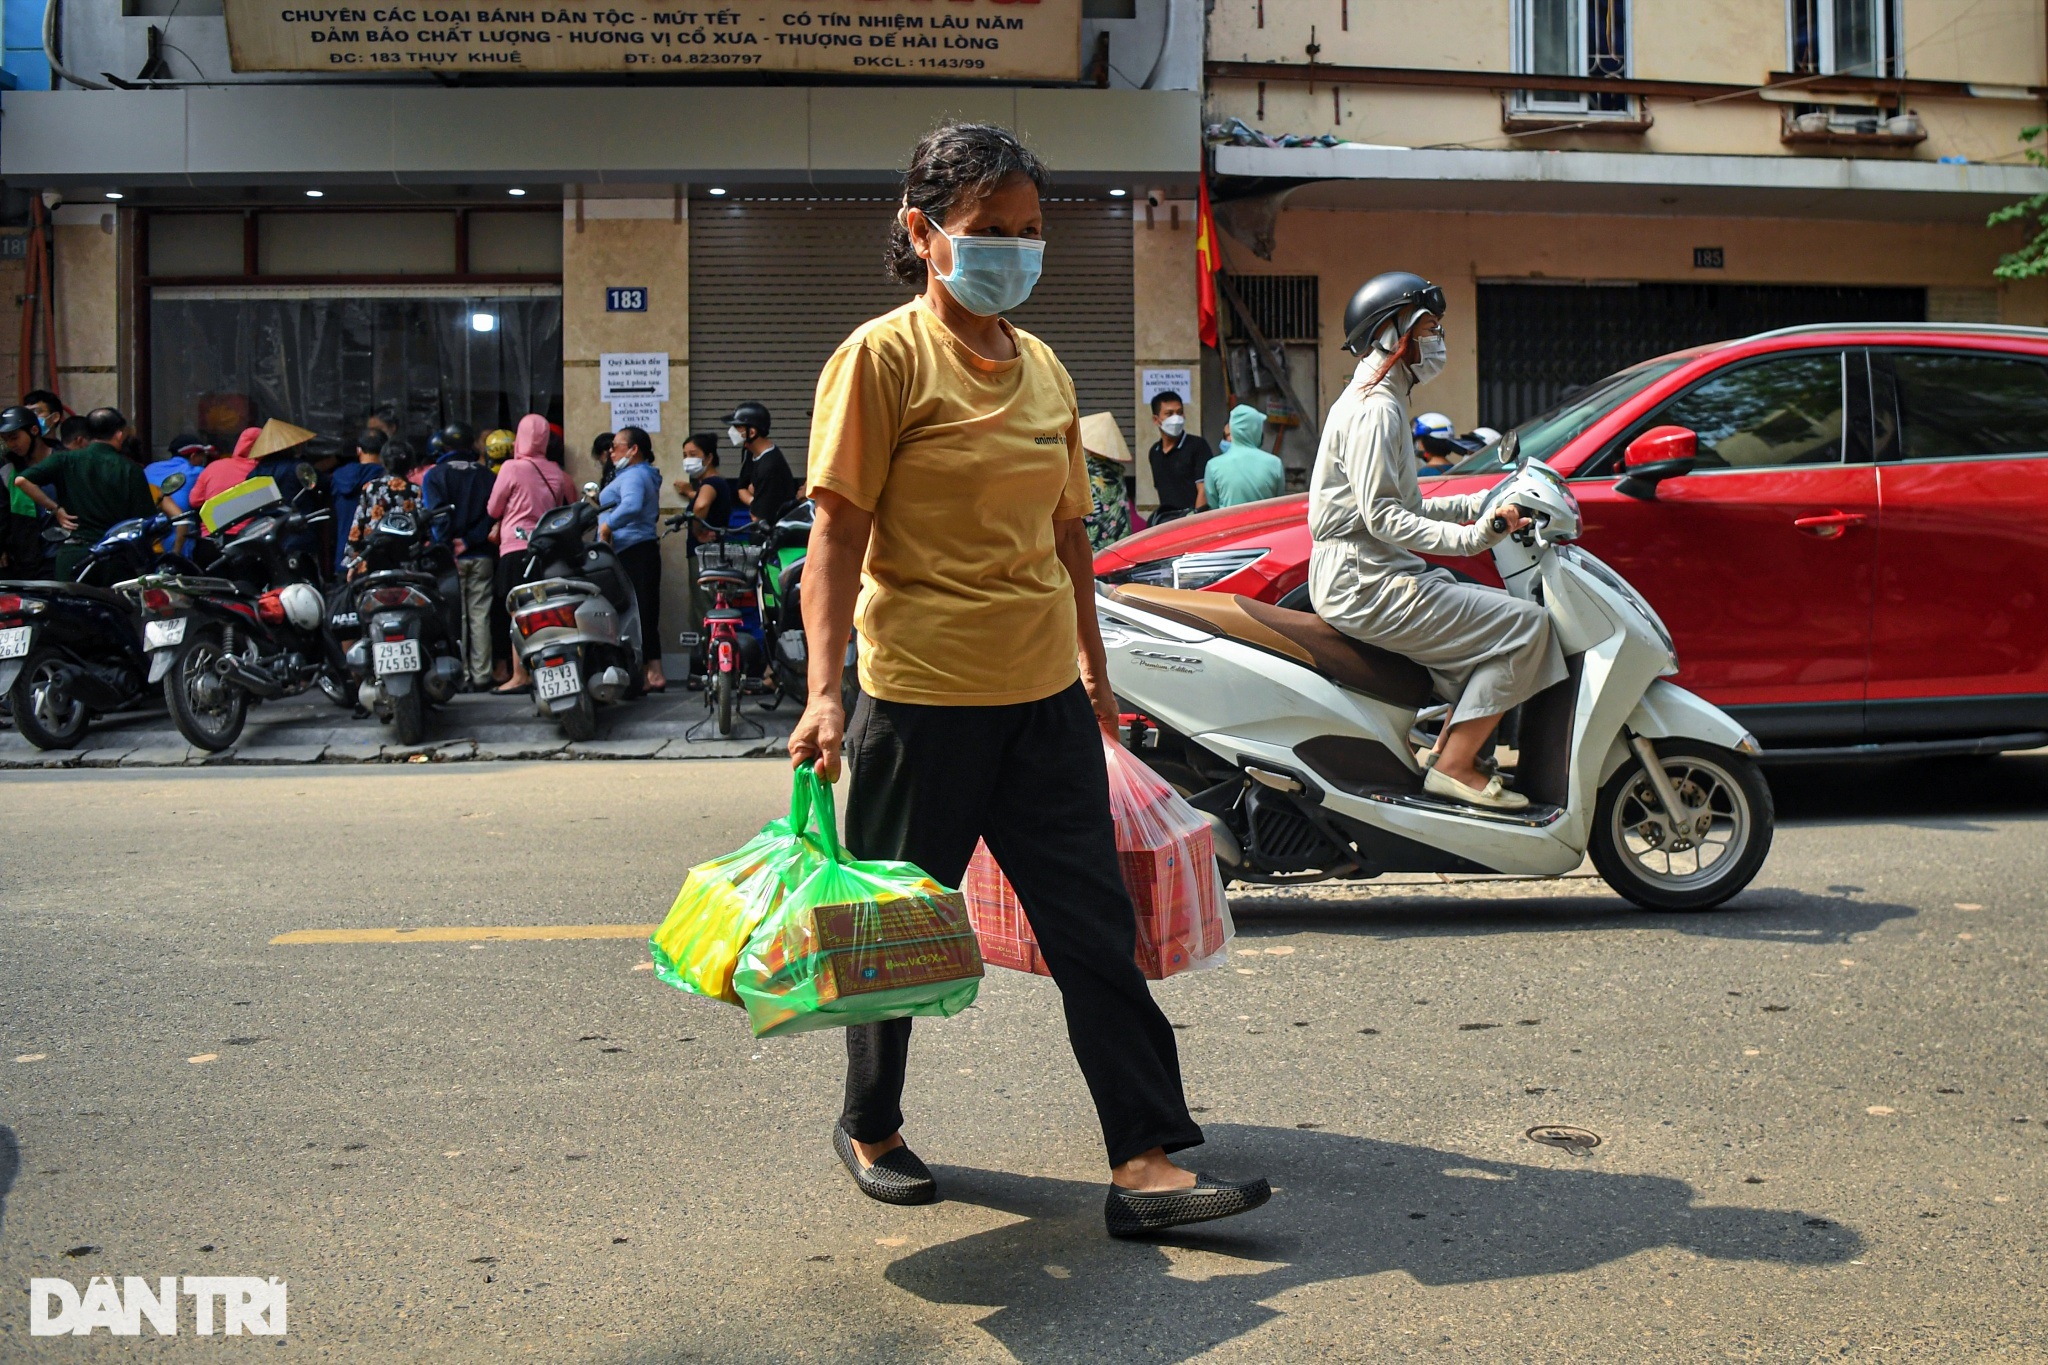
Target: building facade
(1680, 173)
(234, 244)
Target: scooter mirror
(171, 484)
(1659, 444)
(307, 478)
(55, 535)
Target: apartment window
(1584, 38)
(1845, 37)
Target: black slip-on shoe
(897, 1177)
(1136, 1213)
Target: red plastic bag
(1169, 864)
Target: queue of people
(84, 474)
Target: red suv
(1859, 557)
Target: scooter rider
(1486, 650)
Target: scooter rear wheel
(409, 715)
(727, 688)
(209, 712)
(1712, 851)
(579, 722)
(45, 717)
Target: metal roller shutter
(776, 285)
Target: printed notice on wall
(990, 39)
(632, 374)
(1179, 381)
(644, 413)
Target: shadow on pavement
(1773, 913)
(10, 1167)
(1941, 792)
(1345, 1207)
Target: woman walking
(947, 465)
(528, 488)
(630, 506)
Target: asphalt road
(1821, 1109)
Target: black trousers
(928, 781)
(642, 564)
(511, 568)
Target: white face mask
(736, 436)
(693, 467)
(1429, 363)
(1173, 426)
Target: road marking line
(508, 932)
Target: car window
(1545, 434)
(1787, 410)
(1961, 404)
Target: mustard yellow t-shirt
(966, 463)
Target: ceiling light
(515, 193)
(114, 194)
(1118, 194)
(716, 190)
(316, 194)
(483, 322)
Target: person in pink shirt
(529, 486)
(224, 472)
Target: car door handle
(1828, 525)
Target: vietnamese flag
(1208, 260)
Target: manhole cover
(1561, 1135)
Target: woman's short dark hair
(398, 459)
(956, 162)
(601, 448)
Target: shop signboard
(895, 39)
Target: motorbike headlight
(1189, 571)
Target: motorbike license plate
(163, 634)
(398, 656)
(558, 681)
(14, 643)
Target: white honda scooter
(1299, 743)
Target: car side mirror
(1658, 454)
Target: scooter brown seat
(1298, 635)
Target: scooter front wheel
(1694, 858)
(727, 688)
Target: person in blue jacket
(628, 510)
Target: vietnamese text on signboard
(992, 39)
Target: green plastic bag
(721, 901)
(855, 942)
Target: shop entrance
(777, 284)
(1539, 342)
(325, 358)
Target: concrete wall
(90, 372)
(1733, 42)
(629, 241)
(1163, 303)
(1459, 249)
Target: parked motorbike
(576, 620)
(406, 610)
(249, 630)
(72, 651)
(1297, 742)
(751, 639)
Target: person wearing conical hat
(279, 451)
(1108, 459)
